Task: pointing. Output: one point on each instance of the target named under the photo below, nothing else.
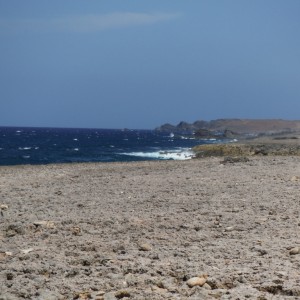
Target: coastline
(140, 230)
(267, 145)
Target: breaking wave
(180, 154)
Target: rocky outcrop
(205, 134)
(241, 150)
(235, 126)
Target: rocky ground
(274, 145)
(201, 229)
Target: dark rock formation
(230, 128)
(205, 134)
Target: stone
(10, 233)
(40, 223)
(76, 230)
(206, 286)
(196, 281)
(82, 295)
(295, 178)
(47, 224)
(122, 294)
(144, 247)
(26, 251)
(295, 250)
(217, 294)
(3, 206)
(229, 228)
(3, 255)
(14, 229)
(169, 284)
(110, 296)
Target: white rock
(194, 281)
(26, 251)
(144, 247)
(230, 228)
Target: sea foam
(180, 154)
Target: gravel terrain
(199, 229)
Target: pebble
(99, 295)
(82, 295)
(26, 251)
(281, 274)
(206, 286)
(3, 207)
(294, 251)
(40, 223)
(48, 224)
(263, 219)
(10, 233)
(144, 247)
(230, 228)
(14, 229)
(196, 281)
(76, 230)
(110, 296)
(295, 178)
(122, 294)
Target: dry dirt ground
(142, 230)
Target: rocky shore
(274, 145)
(198, 229)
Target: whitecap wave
(181, 154)
(24, 148)
(187, 138)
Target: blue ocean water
(56, 145)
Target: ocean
(35, 146)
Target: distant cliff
(233, 127)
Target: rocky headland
(233, 128)
(248, 137)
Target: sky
(139, 64)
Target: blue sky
(139, 64)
